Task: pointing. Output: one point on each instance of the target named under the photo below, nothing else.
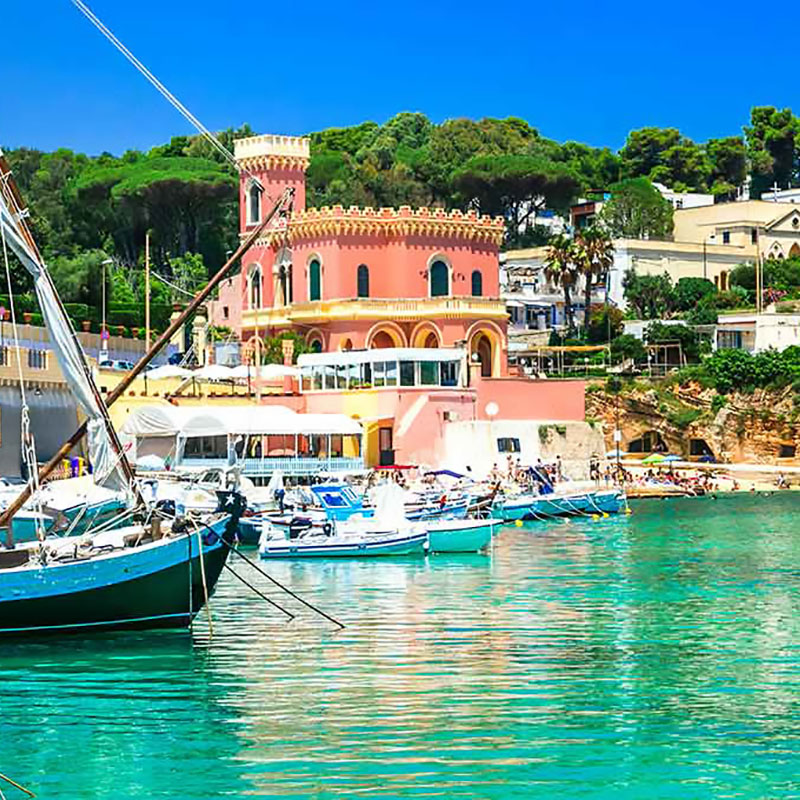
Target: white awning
(167, 420)
(348, 357)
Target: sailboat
(152, 571)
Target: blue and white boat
(341, 502)
(547, 506)
(314, 543)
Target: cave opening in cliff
(699, 447)
(648, 442)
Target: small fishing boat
(138, 576)
(460, 535)
(147, 574)
(547, 506)
(315, 543)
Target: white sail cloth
(105, 463)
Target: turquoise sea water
(650, 656)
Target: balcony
(401, 309)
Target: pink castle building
(421, 285)
(348, 279)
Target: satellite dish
(492, 409)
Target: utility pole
(147, 290)
(759, 288)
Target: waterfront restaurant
(259, 439)
(383, 369)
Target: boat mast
(284, 206)
(16, 206)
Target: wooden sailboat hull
(158, 585)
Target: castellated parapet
(271, 150)
(402, 221)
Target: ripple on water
(655, 655)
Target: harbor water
(653, 655)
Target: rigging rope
(27, 443)
(167, 94)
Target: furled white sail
(68, 351)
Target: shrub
(628, 346)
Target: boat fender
(327, 529)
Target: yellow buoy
(518, 523)
(628, 511)
(595, 517)
(605, 515)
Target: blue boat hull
(157, 585)
(463, 538)
(400, 546)
(548, 506)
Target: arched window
(363, 281)
(316, 346)
(283, 289)
(440, 279)
(477, 283)
(254, 203)
(314, 280)
(255, 286)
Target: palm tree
(594, 256)
(561, 270)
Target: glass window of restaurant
(330, 377)
(391, 373)
(428, 373)
(448, 372)
(379, 373)
(407, 373)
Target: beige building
(750, 226)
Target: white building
(757, 332)
(680, 200)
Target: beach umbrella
(672, 459)
(654, 458)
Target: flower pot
(134, 332)
(27, 316)
(120, 330)
(86, 325)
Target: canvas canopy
(166, 420)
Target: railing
(377, 308)
(263, 467)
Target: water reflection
(654, 655)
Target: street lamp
(103, 331)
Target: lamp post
(103, 329)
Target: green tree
(728, 157)
(666, 156)
(689, 292)
(771, 148)
(79, 279)
(189, 274)
(515, 186)
(637, 210)
(561, 270)
(627, 347)
(605, 325)
(650, 295)
(593, 252)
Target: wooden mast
(284, 204)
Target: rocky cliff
(688, 420)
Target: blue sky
(586, 70)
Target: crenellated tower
(277, 162)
